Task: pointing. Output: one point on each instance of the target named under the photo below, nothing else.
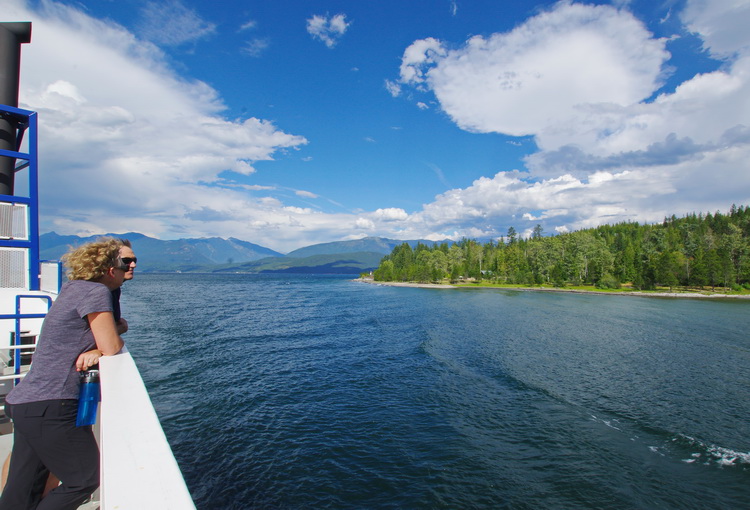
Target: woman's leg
(72, 454)
(27, 474)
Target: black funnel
(12, 36)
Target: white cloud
(172, 24)
(154, 147)
(329, 30)
(536, 77)
(580, 79)
(721, 24)
(248, 25)
(390, 214)
(127, 145)
(439, 174)
(393, 88)
(488, 202)
(298, 210)
(255, 47)
(419, 56)
(364, 224)
(250, 187)
(305, 194)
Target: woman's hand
(88, 359)
(122, 326)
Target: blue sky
(291, 123)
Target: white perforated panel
(13, 268)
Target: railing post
(34, 268)
(18, 316)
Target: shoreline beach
(692, 295)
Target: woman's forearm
(105, 333)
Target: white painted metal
(141, 471)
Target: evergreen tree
(697, 250)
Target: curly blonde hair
(91, 261)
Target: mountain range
(215, 254)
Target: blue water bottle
(88, 398)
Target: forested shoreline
(693, 252)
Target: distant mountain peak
(230, 255)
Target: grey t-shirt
(65, 335)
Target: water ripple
(316, 392)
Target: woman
(77, 331)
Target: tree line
(694, 251)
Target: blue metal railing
(26, 121)
(18, 316)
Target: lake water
(303, 391)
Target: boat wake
(709, 454)
(682, 446)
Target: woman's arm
(105, 333)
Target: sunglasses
(125, 263)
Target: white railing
(139, 471)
